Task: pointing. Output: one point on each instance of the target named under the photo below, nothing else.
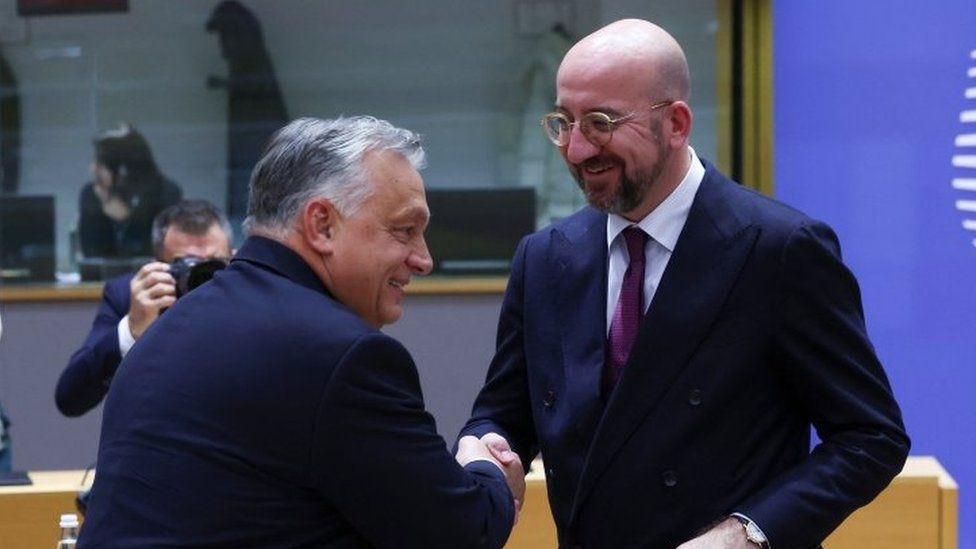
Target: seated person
(130, 303)
(126, 192)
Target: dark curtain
(9, 129)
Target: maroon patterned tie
(627, 316)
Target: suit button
(551, 472)
(550, 399)
(694, 397)
(669, 478)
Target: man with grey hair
(266, 409)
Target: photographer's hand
(151, 290)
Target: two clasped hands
(494, 448)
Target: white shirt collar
(665, 222)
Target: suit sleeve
(503, 405)
(377, 456)
(833, 372)
(85, 381)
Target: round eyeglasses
(597, 127)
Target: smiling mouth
(398, 284)
(597, 166)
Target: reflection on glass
(473, 78)
(255, 108)
(9, 128)
(126, 192)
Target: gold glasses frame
(597, 127)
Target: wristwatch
(753, 533)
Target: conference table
(919, 510)
(29, 514)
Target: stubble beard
(632, 188)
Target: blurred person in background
(126, 192)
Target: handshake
(494, 448)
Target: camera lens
(192, 271)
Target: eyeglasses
(596, 127)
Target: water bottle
(69, 531)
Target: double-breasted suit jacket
(755, 333)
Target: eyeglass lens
(596, 127)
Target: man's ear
(320, 222)
(680, 116)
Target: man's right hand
(493, 447)
(151, 290)
(511, 464)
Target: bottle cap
(69, 520)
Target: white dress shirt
(663, 225)
(126, 341)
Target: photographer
(186, 232)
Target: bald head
(633, 73)
(638, 56)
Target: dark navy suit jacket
(85, 381)
(260, 412)
(755, 333)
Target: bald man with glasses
(668, 347)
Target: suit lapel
(706, 261)
(579, 260)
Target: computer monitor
(476, 230)
(26, 238)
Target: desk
(29, 515)
(918, 510)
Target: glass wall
(205, 82)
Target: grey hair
(314, 158)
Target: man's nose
(579, 148)
(420, 261)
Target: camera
(191, 271)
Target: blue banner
(875, 133)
